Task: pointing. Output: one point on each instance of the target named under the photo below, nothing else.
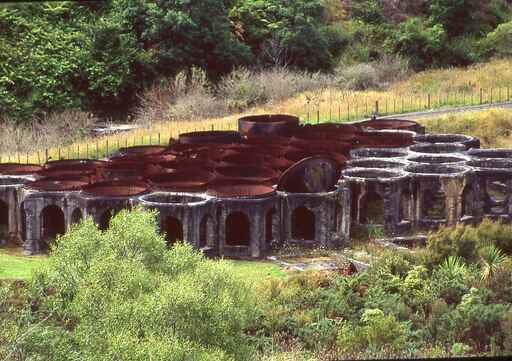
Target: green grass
(256, 271)
(15, 265)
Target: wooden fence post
(428, 101)
(376, 107)
(158, 138)
(97, 150)
(481, 96)
(46, 155)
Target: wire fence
(327, 110)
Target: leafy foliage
(124, 295)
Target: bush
(497, 43)
(358, 77)
(124, 295)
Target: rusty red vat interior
(399, 124)
(19, 169)
(116, 188)
(59, 184)
(239, 187)
(184, 181)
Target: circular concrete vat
(438, 148)
(495, 153)
(182, 181)
(397, 124)
(376, 163)
(436, 170)
(19, 169)
(59, 184)
(253, 173)
(239, 188)
(267, 124)
(116, 189)
(438, 159)
(378, 153)
(217, 137)
(365, 174)
(384, 139)
(12, 181)
(142, 150)
(468, 141)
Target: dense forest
(99, 56)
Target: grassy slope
(462, 85)
(493, 126)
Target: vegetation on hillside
(122, 294)
(98, 56)
(491, 126)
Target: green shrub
(126, 296)
(498, 42)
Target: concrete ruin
(273, 183)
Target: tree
(299, 28)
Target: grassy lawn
(255, 271)
(15, 265)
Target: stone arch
(53, 224)
(206, 232)
(269, 224)
(76, 216)
(4, 220)
(173, 229)
(434, 204)
(371, 210)
(238, 229)
(303, 224)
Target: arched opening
(405, 205)
(434, 205)
(269, 225)
(4, 221)
(467, 202)
(238, 230)
(205, 232)
(371, 208)
(303, 224)
(104, 221)
(497, 195)
(76, 216)
(173, 230)
(53, 224)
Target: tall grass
(493, 126)
(190, 103)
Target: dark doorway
(434, 204)
(4, 220)
(53, 224)
(372, 208)
(237, 230)
(104, 221)
(467, 201)
(303, 224)
(173, 230)
(76, 216)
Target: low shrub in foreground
(124, 295)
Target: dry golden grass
(429, 89)
(493, 126)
